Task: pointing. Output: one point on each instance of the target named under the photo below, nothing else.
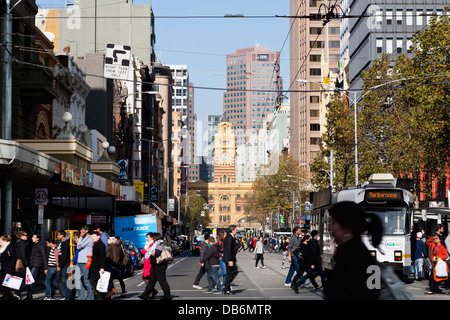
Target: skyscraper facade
(183, 101)
(253, 85)
(311, 41)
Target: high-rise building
(389, 30)
(309, 38)
(253, 85)
(183, 101)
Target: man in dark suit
(229, 257)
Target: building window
(314, 127)
(409, 17)
(315, 72)
(314, 113)
(379, 45)
(389, 17)
(399, 45)
(314, 99)
(399, 17)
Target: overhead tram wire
(251, 90)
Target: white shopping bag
(29, 279)
(12, 282)
(441, 269)
(103, 282)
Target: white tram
(384, 196)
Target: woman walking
(438, 251)
(348, 279)
(7, 264)
(223, 267)
(259, 249)
(158, 271)
(98, 263)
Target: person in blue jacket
(419, 256)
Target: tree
(270, 192)
(195, 207)
(403, 125)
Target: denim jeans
(81, 277)
(294, 268)
(62, 285)
(213, 278)
(418, 267)
(51, 282)
(35, 272)
(223, 270)
(317, 268)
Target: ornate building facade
(227, 199)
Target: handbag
(88, 263)
(165, 256)
(19, 265)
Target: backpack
(392, 288)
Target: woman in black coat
(348, 279)
(98, 263)
(8, 264)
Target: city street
(250, 283)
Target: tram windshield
(395, 219)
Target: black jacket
(98, 260)
(8, 260)
(348, 279)
(22, 253)
(64, 252)
(313, 253)
(229, 248)
(38, 257)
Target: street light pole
(355, 103)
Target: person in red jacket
(438, 250)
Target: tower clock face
(224, 156)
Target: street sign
(153, 194)
(117, 61)
(41, 196)
(171, 204)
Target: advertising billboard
(135, 228)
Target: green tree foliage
(403, 116)
(274, 192)
(195, 207)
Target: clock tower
(225, 153)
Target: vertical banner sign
(171, 204)
(183, 179)
(41, 214)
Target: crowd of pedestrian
(50, 265)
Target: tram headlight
(397, 256)
(373, 253)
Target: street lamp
(168, 194)
(355, 102)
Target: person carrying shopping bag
(438, 255)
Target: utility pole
(7, 112)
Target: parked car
(196, 243)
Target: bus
(391, 199)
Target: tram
(383, 195)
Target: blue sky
(202, 44)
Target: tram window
(395, 220)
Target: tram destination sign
(383, 195)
